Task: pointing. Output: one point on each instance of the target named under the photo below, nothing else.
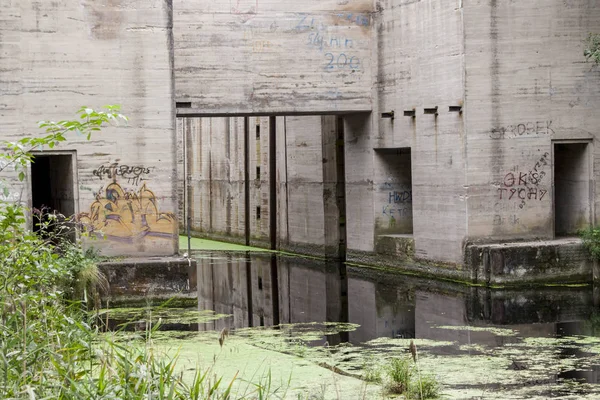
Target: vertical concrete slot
(572, 204)
(52, 186)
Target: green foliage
(399, 373)
(372, 372)
(18, 154)
(49, 347)
(402, 378)
(591, 241)
(592, 48)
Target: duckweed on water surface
(166, 315)
(301, 360)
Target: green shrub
(403, 377)
(591, 241)
(399, 373)
(48, 346)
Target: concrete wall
(257, 56)
(215, 160)
(420, 63)
(527, 85)
(58, 56)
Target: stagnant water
(537, 342)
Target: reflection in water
(265, 290)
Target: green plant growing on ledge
(591, 241)
(592, 48)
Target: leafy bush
(591, 241)
(48, 346)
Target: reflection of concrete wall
(308, 295)
(380, 310)
(529, 306)
(222, 288)
(58, 56)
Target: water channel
(324, 327)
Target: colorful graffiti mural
(127, 216)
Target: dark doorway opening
(52, 190)
(572, 204)
(394, 192)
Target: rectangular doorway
(572, 196)
(394, 211)
(52, 185)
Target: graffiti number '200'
(341, 61)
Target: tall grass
(49, 347)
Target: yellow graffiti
(127, 216)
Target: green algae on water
(491, 329)
(166, 315)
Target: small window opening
(258, 173)
(257, 212)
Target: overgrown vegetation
(592, 48)
(591, 241)
(49, 347)
(402, 377)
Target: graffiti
(524, 186)
(358, 19)
(393, 212)
(543, 161)
(320, 42)
(9, 197)
(500, 220)
(522, 193)
(127, 216)
(341, 61)
(404, 196)
(249, 7)
(133, 174)
(522, 130)
(260, 46)
(305, 24)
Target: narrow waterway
(537, 342)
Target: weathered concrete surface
(151, 276)
(564, 260)
(527, 85)
(256, 56)
(305, 182)
(512, 90)
(420, 64)
(58, 56)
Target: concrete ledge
(422, 268)
(562, 260)
(152, 276)
(395, 245)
